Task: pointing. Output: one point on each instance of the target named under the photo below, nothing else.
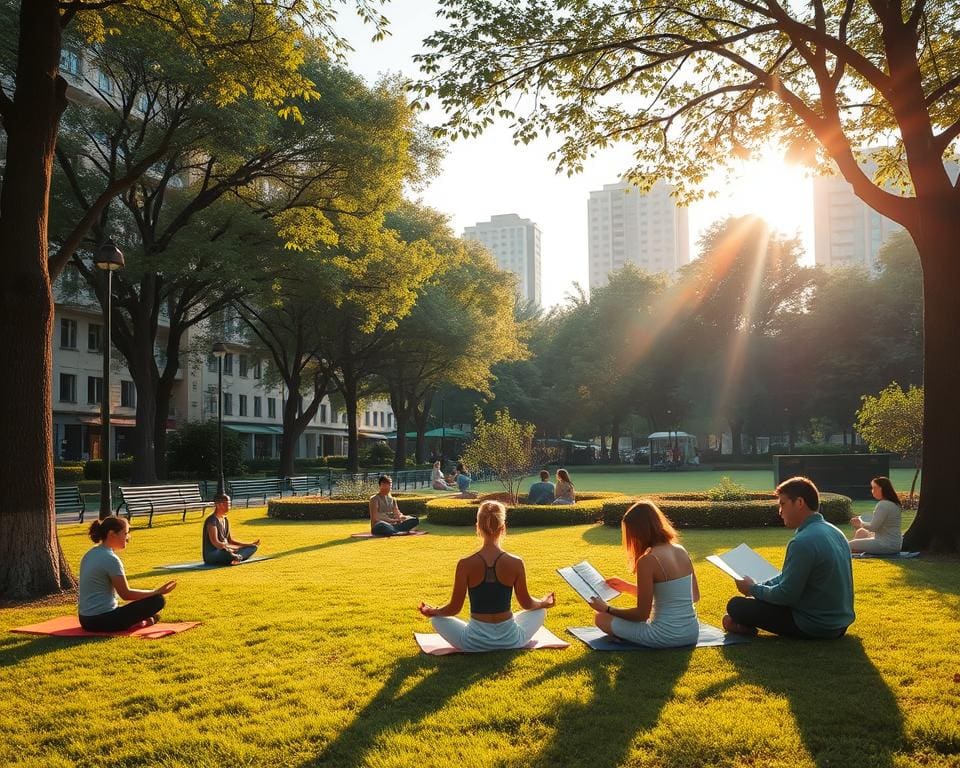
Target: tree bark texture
(31, 561)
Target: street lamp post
(219, 351)
(443, 430)
(109, 258)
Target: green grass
(308, 659)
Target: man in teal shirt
(813, 596)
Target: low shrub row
(446, 511)
(695, 510)
(65, 475)
(323, 508)
(120, 469)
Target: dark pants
(125, 616)
(777, 619)
(223, 557)
(388, 529)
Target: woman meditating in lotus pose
(881, 535)
(102, 579)
(489, 577)
(666, 587)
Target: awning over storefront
(450, 433)
(254, 429)
(115, 421)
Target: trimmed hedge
(695, 510)
(120, 469)
(67, 475)
(588, 509)
(323, 508)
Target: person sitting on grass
(463, 481)
(813, 596)
(881, 534)
(542, 492)
(666, 588)
(103, 583)
(438, 481)
(219, 546)
(566, 493)
(489, 576)
(385, 516)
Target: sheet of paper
(743, 561)
(587, 581)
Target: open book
(743, 561)
(587, 581)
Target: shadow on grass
(398, 704)
(18, 648)
(843, 709)
(937, 573)
(629, 692)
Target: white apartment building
(626, 226)
(848, 232)
(515, 244)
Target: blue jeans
(222, 557)
(388, 529)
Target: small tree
(505, 446)
(194, 447)
(893, 421)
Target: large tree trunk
(295, 422)
(615, 441)
(736, 429)
(349, 392)
(420, 417)
(400, 417)
(31, 561)
(143, 371)
(937, 524)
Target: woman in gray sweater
(881, 534)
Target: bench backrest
(68, 497)
(158, 496)
(305, 482)
(256, 486)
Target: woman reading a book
(489, 577)
(666, 587)
(881, 534)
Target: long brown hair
(887, 490)
(645, 526)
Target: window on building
(105, 82)
(343, 417)
(70, 61)
(243, 405)
(212, 404)
(68, 388)
(228, 364)
(227, 404)
(383, 419)
(94, 338)
(375, 415)
(68, 333)
(143, 103)
(212, 363)
(258, 370)
(243, 366)
(257, 406)
(271, 407)
(366, 418)
(390, 421)
(94, 390)
(128, 395)
(323, 412)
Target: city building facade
(625, 226)
(515, 244)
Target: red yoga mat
(69, 626)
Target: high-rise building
(515, 244)
(848, 232)
(626, 226)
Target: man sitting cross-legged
(219, 546)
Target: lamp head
(219, 350)
(108, 257)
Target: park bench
(305, 485)
(68, 499)
(263, 488)
(148, 499)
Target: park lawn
(308, 659)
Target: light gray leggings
(482, 636)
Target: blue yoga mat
(599, 640)
(898, 555)
(202, 566)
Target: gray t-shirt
(97, 594)
(223, 534)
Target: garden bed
(697, 510)
(324, 508)
(588, 509)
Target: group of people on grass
(459, 481)
(811, 598)
(546, 492)
(103, 582)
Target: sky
(491, 175)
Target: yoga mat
(392, 536)
(437, 646)
(202, 566)
(869, 555)
(599, 640)
(69, 626)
